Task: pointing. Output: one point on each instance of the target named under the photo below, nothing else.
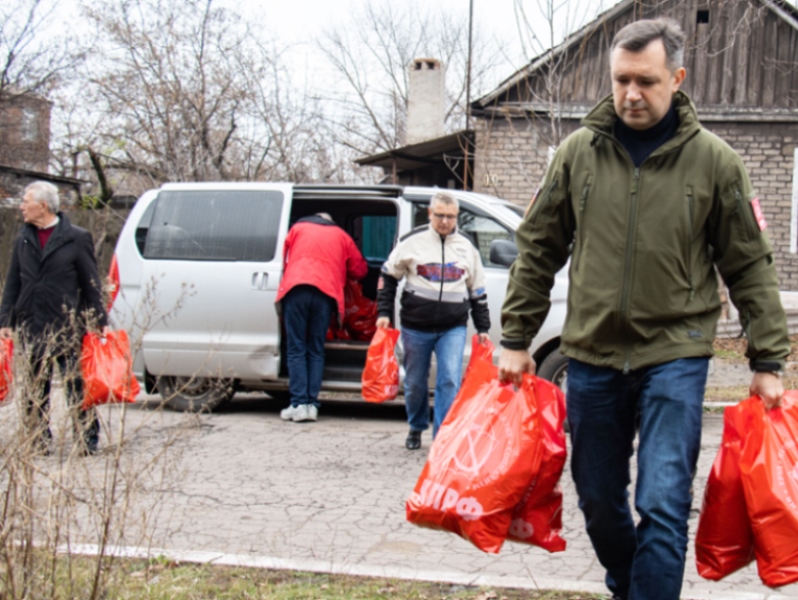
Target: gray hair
(634, 37)
(43, 191)
(325, 216)
(444, 198)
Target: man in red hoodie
(318, 257)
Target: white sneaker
(287, 414)
(305, 412)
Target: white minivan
(197, 267)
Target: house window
(702, 16)
(30, 125)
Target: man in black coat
(52, 296)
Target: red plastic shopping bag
(106, 365)
(769, 469)
(724, 541)
(359, 321)
(6, 367)
(482, 460)
(380, 378)
(537, 519)
(360, 318)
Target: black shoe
(413, 441)
(41, 445)
(88, 447)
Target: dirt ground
(729, 373)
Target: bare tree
(187, 91)
(290, 140)
(164, 81)
(372, 55)
(32, 63)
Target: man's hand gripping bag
(769, 467)
(380, 378)
(482, 460)
(106, 365)
(724, 541)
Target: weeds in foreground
(58, 495)
(161, 578)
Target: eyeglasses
(445, 217)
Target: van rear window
(215, 225)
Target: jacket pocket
(580, 221)
(745, 216)
(690, 207)
(543, 201)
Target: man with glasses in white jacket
(444, 282)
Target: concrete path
(330, 495)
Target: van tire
(194, 394)
(554, 368)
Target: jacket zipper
(690, 242)
(627, 268)
(443, 266)
(623, 317)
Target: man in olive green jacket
(646, 203)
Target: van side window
(481, 229)
(214, 225)
(143, 227)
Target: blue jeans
(448, 346)
(646, 561)
(306, 315)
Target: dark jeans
(644, 561)
(306, 315)
(85, 422)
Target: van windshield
(215, 225)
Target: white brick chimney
(425, 100)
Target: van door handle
(260, 281)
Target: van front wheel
(554, 368)
(194, 394)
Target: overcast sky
(301, 22)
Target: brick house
(25, 148)
(25, 131)
(742, 74)
(13, 182)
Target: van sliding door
(213, 261)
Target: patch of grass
(726, 394)
(163, 579)
(734, 348)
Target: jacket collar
(315, 219)
(61, 235)
(603, 116)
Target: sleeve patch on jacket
(759, 215)
(433, 272)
